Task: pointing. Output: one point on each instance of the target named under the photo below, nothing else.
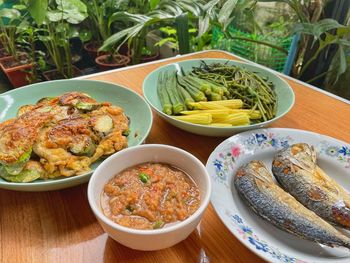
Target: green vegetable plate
(134, 106)
(284, 93)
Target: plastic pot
(92, 49)
(17, 73)
(104, 62)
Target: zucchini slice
(17, 167)
(86, 106)
(84, 147)
(79, 100)
(104, 124)
(45, 100)
(32, 171)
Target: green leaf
(344, 42)
(54, 16)
(191, 7)
(37, 10)
(166, 40)
(85, 35)
(153, 4)
(168, 30)
(72, 32)
(121, 36)
(325, 25)
(74, 11)
(23, 26)
(318, 28)
(45, 38)
(19, 7)
(71, 6)
(343, 31)
(342, 61)
(226, 11)
(10, 13)
(61, 28)
(203, 25)
(126, 17)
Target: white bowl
(158, 238)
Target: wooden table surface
(58, 226)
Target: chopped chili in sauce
(150, 196)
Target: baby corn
(204, 118)
(217, 105)
(235, 119)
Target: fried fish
(255, 185)
(296, 170)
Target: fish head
(256, 170)
(303, 156)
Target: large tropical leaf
(153, 4)
(37, 10)
(225, 13)
(121, 36)
(207, 15)
(127, 17)
(73, 11)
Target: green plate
(285, 97)
(134, 105)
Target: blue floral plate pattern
(258, 235)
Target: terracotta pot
(54, 74)
(17, 73)
(92, 49)
(119, 61)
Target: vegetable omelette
(60, 136)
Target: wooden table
(59, 226)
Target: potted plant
(162, 13)
(59, 27)
(97, 23)
(16, 63)
(112, 60)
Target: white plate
(258, 235)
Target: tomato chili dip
(150, 196)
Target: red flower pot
(17, 70)
(106, 62)
(92, 49)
